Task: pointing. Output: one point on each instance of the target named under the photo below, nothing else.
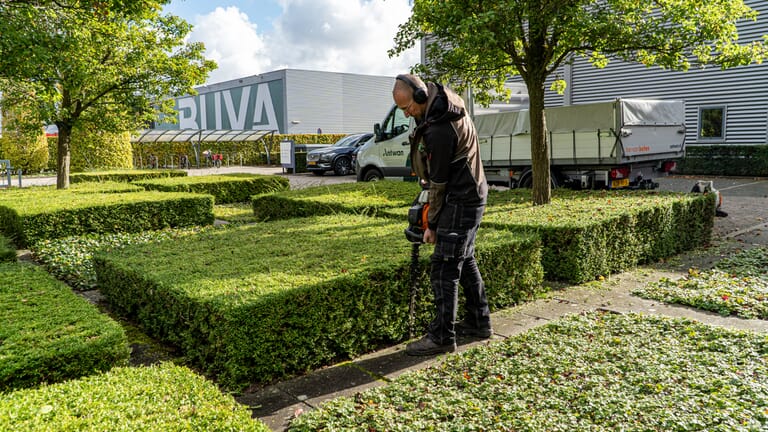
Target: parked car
(337, 157)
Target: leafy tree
(481, 43)
(114, 64)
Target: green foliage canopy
(117, 64)
(492, 40)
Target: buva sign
(251, 107)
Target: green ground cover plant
(124, 175)
(588, 234)
(48, 333)
(748, 262)
(357, 198)
(70, 259)
(38, 214)
(164, 398)
(227, 188)
(591, 372)
(736, 286)
(253, 303)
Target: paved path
(296, 180)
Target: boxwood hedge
(586, 234)
(257, 302)
(157, 398)
(359, 198)
(7, 250)
(48, 333)
(123, 175)
(40, 213)
(227, 188)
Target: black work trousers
(453, 264)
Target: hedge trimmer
(417, 224)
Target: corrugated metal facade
(335, 102)
(742, 91)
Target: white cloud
(350, 36)
(233, 42)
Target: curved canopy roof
(200, 135)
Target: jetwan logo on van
(394, 153)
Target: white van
(387, 153)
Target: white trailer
(615, 144)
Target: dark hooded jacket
(445, 153)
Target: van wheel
(373, 175)
(342, 166)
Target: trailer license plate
(620, 183)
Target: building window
(712, 123)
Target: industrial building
(287, 101)
(723, 107)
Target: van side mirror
(377, 131)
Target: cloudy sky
(248, 37)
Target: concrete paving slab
(273, 406)
(551, 309)
(327, 383)
(506, 324)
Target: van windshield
(395, 124)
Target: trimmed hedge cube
(157, 398)
(227, 188)
(586, 234)
(48, 213)
(124, 175)
(264, 301)
(49, 334)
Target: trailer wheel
(526, 180)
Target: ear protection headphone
(419, 93)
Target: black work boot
(464, 328)
(425, 346)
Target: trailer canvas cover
(618, 131)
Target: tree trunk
(542, 192)
(62, 156)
